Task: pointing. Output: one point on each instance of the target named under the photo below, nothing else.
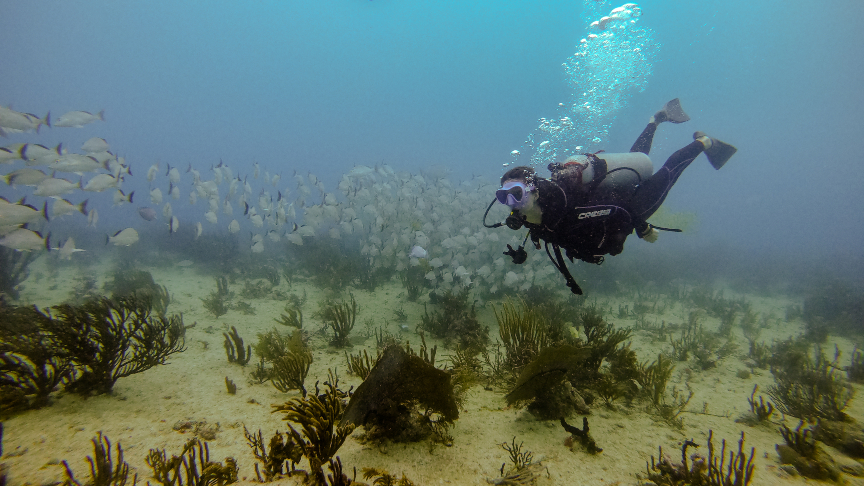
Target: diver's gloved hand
(519, 255)
(647, 233)
(651, 235)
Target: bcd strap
(600, 171)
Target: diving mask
(514, 194)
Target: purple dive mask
(514, 194)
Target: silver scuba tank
(622, 170)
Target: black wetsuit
(588, 221)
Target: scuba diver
(593, 202)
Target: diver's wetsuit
(651, 193)
(589, 221)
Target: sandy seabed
(141, 412)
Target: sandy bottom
(143, 409)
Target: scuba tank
(604, 173)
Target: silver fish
(210, 216)
(234, 226)
(25, 177)
(167, 211)
(16, 122)
(95, 144)
(124, 237)
(174, 226)
(25, 240)
(198, 229)
(62, 207)
(173, 174)
(92, 218)
(100, 182)
(77, 163)
(67, 249)
(294, 238)
(13, 214)
(156, 196)
(56, 187)
(77, 119)
(38, 154)
(417, 252)
(151, 172)
(148, 214)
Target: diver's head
(517, 188)
(519, 192)
(521, 173)
(515, 194)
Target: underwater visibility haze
(248, 237)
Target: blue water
(311, 90)
(324, 86)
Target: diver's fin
(672, 112)
(718, 152)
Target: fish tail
(47, 120)
(48, 242)
(130, 196)
(45, 211)
(82, 208)
(101, 115)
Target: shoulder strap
(600, 171)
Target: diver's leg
(651, 193)
(671, 112)
(643, 143)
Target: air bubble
(594, 72)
